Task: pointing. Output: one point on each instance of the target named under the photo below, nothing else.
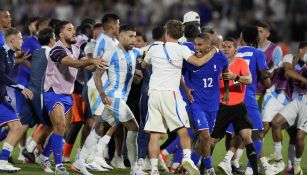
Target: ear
(268, 34)
(61, 34)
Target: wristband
(237, 78)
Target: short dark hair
(85, 27)
(174, 29)
(53, 22)
(42, 20)
(158, 32)
(207, 29)
(59, 27)
(29, 22)
(107, 19)
(44, 36)
(263, 25)
(88, 21)
(204, 36)
(11, 31)
(231, 39)
(138, 33)
(97, 25)
(126, 27)
(302, 44)
(190, 31)
(250, 35)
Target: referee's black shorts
(237, 115)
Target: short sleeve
(277, 55)
(288, 58)
(57, 54)
(261, 63)
(186, 52)
(137, 52)
(148, 56)
(244, 68)
(101, 44)
(89, 48)
(109, 56)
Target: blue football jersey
(256, 60)
(205, 81)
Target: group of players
(105, 77)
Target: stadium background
(287, 18)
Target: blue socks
(195, 157)
(207, 161)
(172, 147)
(6, 151)
(55, 145)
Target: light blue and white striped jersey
(120, 72)
(104, 43)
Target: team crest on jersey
(214, 67)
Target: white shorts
(296, 112)
(95, 101)
(117, 112)
(273, 102)
(166, 110)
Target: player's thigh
(198, 118)
(302, 115)
(223, 120)
(154, 121)
(255, 117)
(173, 110)
(290, 112)
(270, 108)
(95, 102)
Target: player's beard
(70, 41)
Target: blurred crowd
(287, 18)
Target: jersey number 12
(207, 82)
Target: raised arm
(202, 60)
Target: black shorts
(237, 115)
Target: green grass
(219, 152)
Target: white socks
(187, 153)
(103, 142)
(31, 146)
(228, 156)
(89, 143)
(277, 149)
(297, 161)
(132, 148)
(154, 164)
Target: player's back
(256, 60)
(166, 72)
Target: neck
(231, 59)
(122, 47)
(263, 43)
(171, 40)
(67, 45)
(110, 33)
(2, 29)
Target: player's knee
(204, 137)
(15, 126)
(277, 121)
(257, 135)
(300, 136)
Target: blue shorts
(20, 100)
(230, 129)
(7, 113)
(51, 99)
(255, 117)
(33, 112)
(202, 119)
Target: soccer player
(273, 55)
(122, 64)
(205, 97)
(165, 102)
(235, 110)
(32, 110)
(258, 68)
(105, 42)
(5, 23)
(190, 18)
(143, 137)
(7, 114)
(63, 63)
(295, 112)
